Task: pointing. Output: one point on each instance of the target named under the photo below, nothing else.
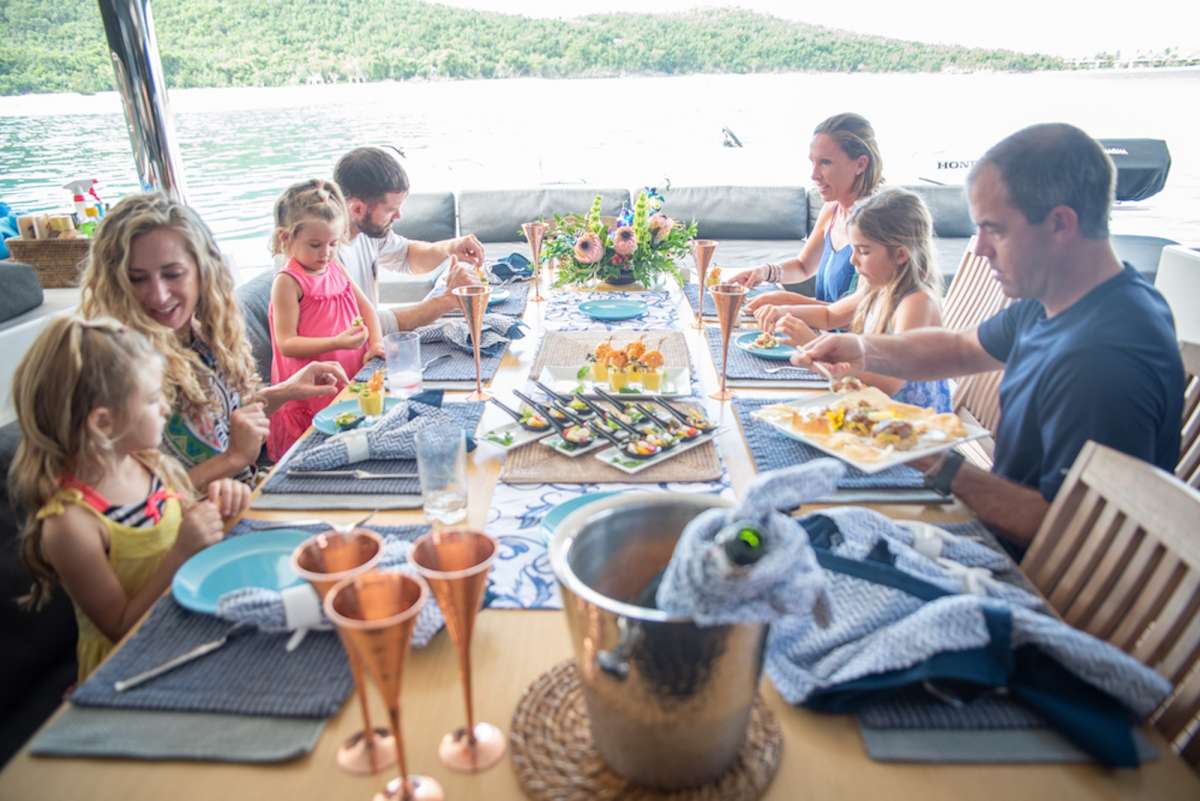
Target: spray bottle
(87, 212)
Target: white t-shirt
(363, 256)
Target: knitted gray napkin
(701, 581)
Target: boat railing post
(133, 46)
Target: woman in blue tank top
(846, 167)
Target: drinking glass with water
(402, 352)
(442, 468)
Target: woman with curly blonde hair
(155, 266)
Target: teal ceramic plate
(613, 309)
(258, 559)
(559, 513)
(499, 296)
(323, 420)
(780, 353)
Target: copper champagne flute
(473, 299)
(376, 612)
(535, 232)
(702, 254)
(323, 560)
(456, 562)
(728, 300)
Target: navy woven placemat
(771, 451)
(746, 367)
(913, 708)
(459, 367)
(467, 415)
(252, 674)
(691, 291)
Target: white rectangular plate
(627, 464)
(676, 383)
(512, 435)
(556, 442)
(892, 459)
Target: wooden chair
(1188, 469)
(973, 297)
(1118, 556)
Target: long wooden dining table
(823, 755)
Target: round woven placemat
(552, 751)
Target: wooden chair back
(1118, 556)
(973, 297)
(1188, 469)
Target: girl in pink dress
(317, 313)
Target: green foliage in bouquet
(642, 244)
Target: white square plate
(627, 464)
(557, 443)
(676, 383)
(926, 447)
(512, 435)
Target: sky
(1045, 26)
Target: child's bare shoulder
(74, 531)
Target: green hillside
(57, 46)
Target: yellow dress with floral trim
(133, 554)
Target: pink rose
(625, 240)
(588, 249)
(660, 227)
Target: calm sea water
(241, 147)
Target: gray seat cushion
(254, 297)
(742, 212)
(947, 205)
(22, 291)
(497, 215)
(427, 217)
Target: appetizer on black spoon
(572, 432)
(529, 419)
(636, 448)
(575, 403)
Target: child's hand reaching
(229, 496)
(353, 337)
(798, 331)
(201, 527)
(375, 351)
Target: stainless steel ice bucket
(668, 701)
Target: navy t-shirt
(1107, 369)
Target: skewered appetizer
(714, 276)
(370, 397)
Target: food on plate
(370, 397)
(531, 419)
(577, 435)
(900, 434)
(635, 349)
(766, 340)
(866, 425)
(346, 419)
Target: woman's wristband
(773, 273)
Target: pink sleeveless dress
(327, 308)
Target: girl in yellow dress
(107, 515)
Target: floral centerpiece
(640, 245)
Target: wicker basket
(56, 261)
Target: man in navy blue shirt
(1089, 351)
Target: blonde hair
(855, 136)
(307, 200)
(108, 291)
(85, 364)
(896, 218)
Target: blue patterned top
(927, 394)
(836, 276)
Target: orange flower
(625, 241)
(588, 249)
(660, 227)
